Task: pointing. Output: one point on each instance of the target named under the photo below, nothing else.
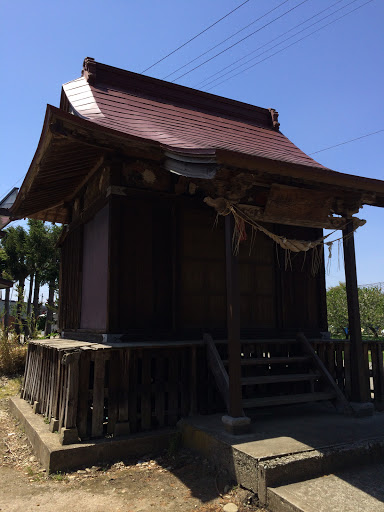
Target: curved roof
(177, 117)
(110, 110)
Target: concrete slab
(55, 457)
(286, 430)
(356, 490)
(287, 445)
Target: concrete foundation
(286, 450)
(236, 426)
(287, 445)
(55, 457)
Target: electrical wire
(13, 186)
(241, 40)
(346, 142)
(269, 42)
(286, 47)
(196, 36)
(225, 40)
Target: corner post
(359, 372)
(235, 422)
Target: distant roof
(5, 204)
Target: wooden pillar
(233, 322)
(359, 371)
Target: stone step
(352, 490)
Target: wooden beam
(233, 322)
(359, 375)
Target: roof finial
(89, 70)
(275, 117)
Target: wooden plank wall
(70, 280)
(141, 273)
(303, 301)
(93, 390)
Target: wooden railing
(335, 355)
(99, 390)
(102, 390)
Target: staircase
(274, 372)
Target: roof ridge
(145, 86)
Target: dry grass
(12, 354)
(10, 386)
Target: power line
(9, 190)
(347, 142)
(196, 36)
(286, 47)
(269, 42)
(240, 41)
(225, 40)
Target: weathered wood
(377, 385)
(63, 395)
(233, 321)
(173, 393)
(123, 376)
(98, 394)
(347, 369)
(133, 390)
(359, 372)
(193, 381)
(379, 390)
(117, 386)
(331, 366)
(73, 390)
(272, 379)
(288, 399)
(146, 415)
(339, 366)
(83, 400)
(160, 390)
(327, 376)
(218, 370)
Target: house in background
(192, 256)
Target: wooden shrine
(192, 258)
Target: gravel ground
(183, 482)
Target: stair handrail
(327, 376)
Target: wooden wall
(71, 280)
(166, 274)
(141, 265)
(95, 272)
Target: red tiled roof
(178, 118)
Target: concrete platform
(55, 457)
(288, 445)
(356, 490)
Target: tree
(15, 246)
(4, 272)
(50, 274)
(38, 252)
(371, 301)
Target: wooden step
(272, 360)
(271, 379)
(287, 399)
(267, 341)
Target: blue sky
(327, 88)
